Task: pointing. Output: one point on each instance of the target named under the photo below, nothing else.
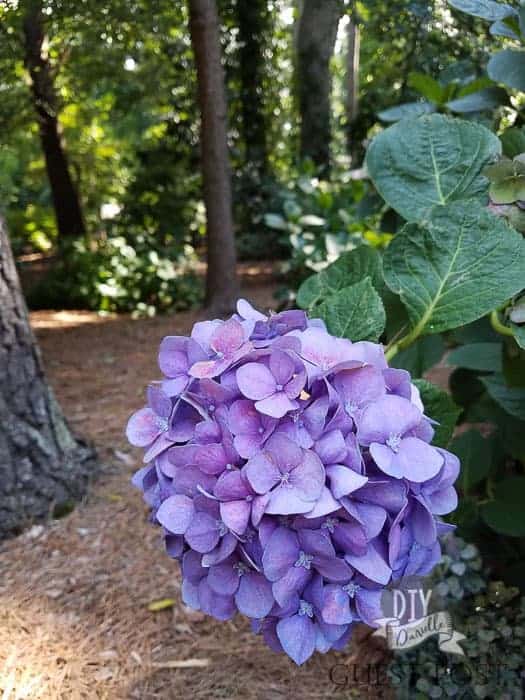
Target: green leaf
(421, 356)
(311, 220)
(506, 514)
(355, 312)
(508, 67)
(275, 221)
(501, 28)
(426, 86)
(440, 407)
(456, 267)
(519, 334)
(513, 141)
(475, 454)
(485, 357)
(349, 268)
(485, 9)
(489, 98)
(404, 111)
(435, 159)
(511, 399)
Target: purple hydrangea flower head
(292, 475)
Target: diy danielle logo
(407, 620)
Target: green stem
(498, 326)
(405, 341)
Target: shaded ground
(74, 594)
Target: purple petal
(324, 505)
(243, 418)
(173, 359)
(287, 500)
(331, 448)
(223, 578)
(281, 366)
(203, 534)
(372, 565)
(211, 459)
(333, 569)
(336, 607)
(176, 513)
(231, 486)
(297, 636)
(228, 337)
(143, 427)
(175, 387)
(386, 459)
(290, 584)
(350, 537)
(255, 381)
(236, 515)
(389, 415)
(218, 606)
(309, 477)
(360, 386)
(254, 597)
(262, 473)
(280, 554)
(159, 402)
(423, 523)
(444, 501)
(368, 606)
(174, 545)
(344, 480)
(417, 460)
(277, 405)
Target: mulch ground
(74, 593)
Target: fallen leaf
(162, 604)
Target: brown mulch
(74, 593)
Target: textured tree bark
(316, 35)
(352, 97)
(42, 465)
(254, 19)
(221, 278)
(66, 201)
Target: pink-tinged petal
(277, 405)
(228, 337)
(372, 565)
(344, 480)
(287, 500)
(176, 513)
(280, 553)
(389, 415)
(159, 402)
(175, 387)
(417, 460)
(444, 501)
(255, 381)
(297, 637)
(203, 534)
(223, 578)
(331, 448)
(322, 349)
(211, 459)
(262, 473)
(243, 418)
(286, 588)
(386, 460)
(324, 505)
(143, 427)
(160, 445)
(246, 310)
(281, 366)
(368, 606)
(308, 478)
(423, 523)
(254, 597)
(236, 515)
(360, 386)
(203, 331)
(208, 369)
(336, 607)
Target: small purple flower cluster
(292, 474)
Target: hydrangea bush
(292, 473)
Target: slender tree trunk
(65, 196)
(316, 35)
(253, 19)
(42, 465)
(352, 97)
(221, 279)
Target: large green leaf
(485, 357)
(406, 110)
(435, 159)
(475, 454)
(355, 312)
(421, 356)
(489, 98)
(513, 141)
(440, 407)
(456, 267)
(511, 399)
(508, 67)
(506, 514)
(349, 268)
(486, 9)
(427, 86)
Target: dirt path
(74, 594)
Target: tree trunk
(66, 201)
(221, 278)
(316, 35)
(352, 97)
(42, 466)
(253, 19)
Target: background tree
(316, 35)
(42, 465)
(221, 277)
(66, 201)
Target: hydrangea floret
(292, 474)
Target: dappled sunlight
(68, 319)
